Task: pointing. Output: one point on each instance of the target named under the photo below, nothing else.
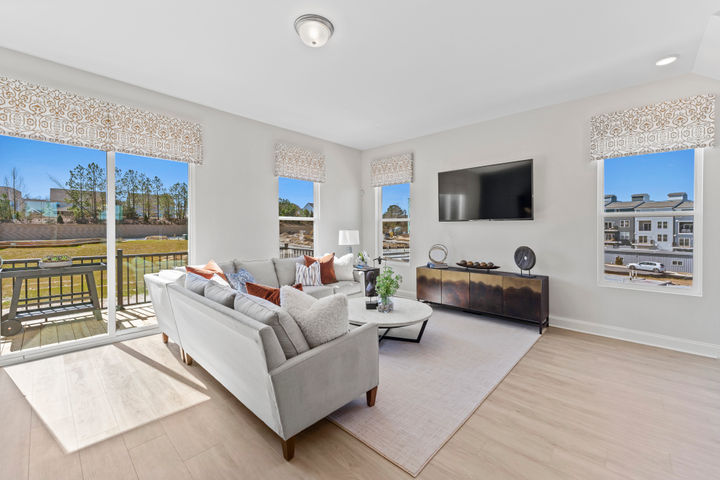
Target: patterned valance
(391, 170)
(41, 113)
(297, 162)
(662, 127)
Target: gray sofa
(248, 353)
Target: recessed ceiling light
(314, 30)
(666, 61)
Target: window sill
(690, 292)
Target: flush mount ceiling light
(666, 61)
(314, 30)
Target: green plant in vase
(387, 284)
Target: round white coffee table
(405, 313)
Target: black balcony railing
(69, 289)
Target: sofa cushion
(344, 267)
(285, 269)
(267, 293)
(238, 280)
(207, 271)
(319, 292)
(308, 276)
(286, 329)
(219, 293)
(320, 320)
(347, 288)
(327, 270)
(262, 270)
(195, 283)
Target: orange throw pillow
(268, 293)
(327, 267)
(208, 270)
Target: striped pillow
(308, 276)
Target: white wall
(563, 233)
(234, 194)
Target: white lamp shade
(349, 237)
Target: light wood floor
(576, 407)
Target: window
(54, 201)
(665, 185)
(297, 213)
(394, 202)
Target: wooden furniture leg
(164, 338)
(188, 358)
(370, 396)
(288, 447)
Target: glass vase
(385, 305)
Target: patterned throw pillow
(327, 270)
(239, 279)
(320, 321)
(308, 276)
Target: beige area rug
(428, 390)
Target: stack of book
(437, 265)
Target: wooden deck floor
(65, 329)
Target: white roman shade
(391, 170)
(51, 115)
(673, 125)
(300, 163)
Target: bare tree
(15, 184)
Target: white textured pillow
(319, 320)
(344, 267)
(308, 276)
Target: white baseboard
(405, 294)
(637, 336)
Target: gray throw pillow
(320, 320)
(220, 293)
(195, 283)
(286, 330)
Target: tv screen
(492, 192)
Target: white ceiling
(393, 70)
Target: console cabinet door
(429, 285)
(455, 288)
(486, 293)
(522, 298)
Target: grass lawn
(133, 268)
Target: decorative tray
(494, 267)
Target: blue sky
(656, 174)
(38, 161)
(396, 195)
(299, 192)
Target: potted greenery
(55, 261)
(387, 284)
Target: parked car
(656, 267)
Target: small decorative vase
(385, 305)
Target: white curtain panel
(293, 161)
(51, 115)
(391, 170)
(667, 126)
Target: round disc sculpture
(438, 253)
(524, 259)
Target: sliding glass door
(63, 283)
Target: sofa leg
(165, 337)
(288, 447)
(370, 396)
(188, 359)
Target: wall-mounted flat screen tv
(492, 192)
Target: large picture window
(297, 213)
(55, 275)
(650, 214)
(394, 201)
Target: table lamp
(349, 238)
